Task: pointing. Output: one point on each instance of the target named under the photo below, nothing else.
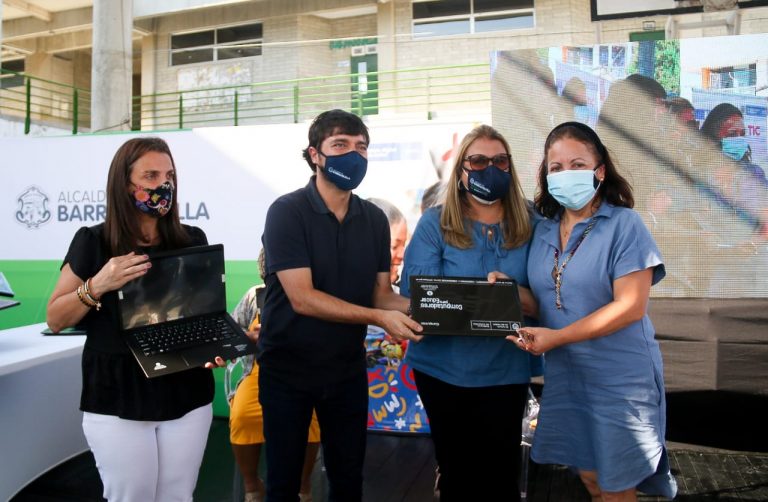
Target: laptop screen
(180, 284)
(5, 288)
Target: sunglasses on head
(479, 162)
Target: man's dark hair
(329, 123)
(649, 86)
(575, 91)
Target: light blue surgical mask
(572, 189)
(735, 147)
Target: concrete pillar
(112, 67)
(148, 86)
(1, 32)
(386, 32)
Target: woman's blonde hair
(516, 224)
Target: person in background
(474, 388)
(384, 354)
(684, 115)
(677, 204)
(591, 266)
(328, 276)
(740, 178)
(631, 122)
(740, 223)
(575, 100)
(398, 235)
(246, 431)
(432, 196)
(147, 435)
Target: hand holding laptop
(218, 362)
(118, 271)
(253, 333)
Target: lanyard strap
(557, 270)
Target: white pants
(142, 461)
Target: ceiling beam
(62, 42)
(29, 8)
(61, 22)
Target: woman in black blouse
(147, 435)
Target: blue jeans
(342, 411)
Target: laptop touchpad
(198, 356)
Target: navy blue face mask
(345, 171)
(489, 184)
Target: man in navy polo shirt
(327, 278)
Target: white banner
(228, 177)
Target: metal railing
(414, 92)
(424, 91)
(40, 101)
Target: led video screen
(685, 122)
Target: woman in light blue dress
(591, 265)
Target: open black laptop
(5, 290)
(174, 317)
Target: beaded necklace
(557, 270)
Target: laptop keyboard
(162, 338)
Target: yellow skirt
(246, 422)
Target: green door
(365, 84)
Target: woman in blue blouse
(591, 266)
(474, 388)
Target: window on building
(434, 18)
(8, 80)
(618, 55)
(733, 77)
(229, 42)
(604, 56)
(579, 56)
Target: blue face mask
(581, 114)
(572, 189)
(345, 171)
(488, 185)
(735, 147)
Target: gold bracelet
(87, 292)
(87, 285)
(85, 296)
(80, 297)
